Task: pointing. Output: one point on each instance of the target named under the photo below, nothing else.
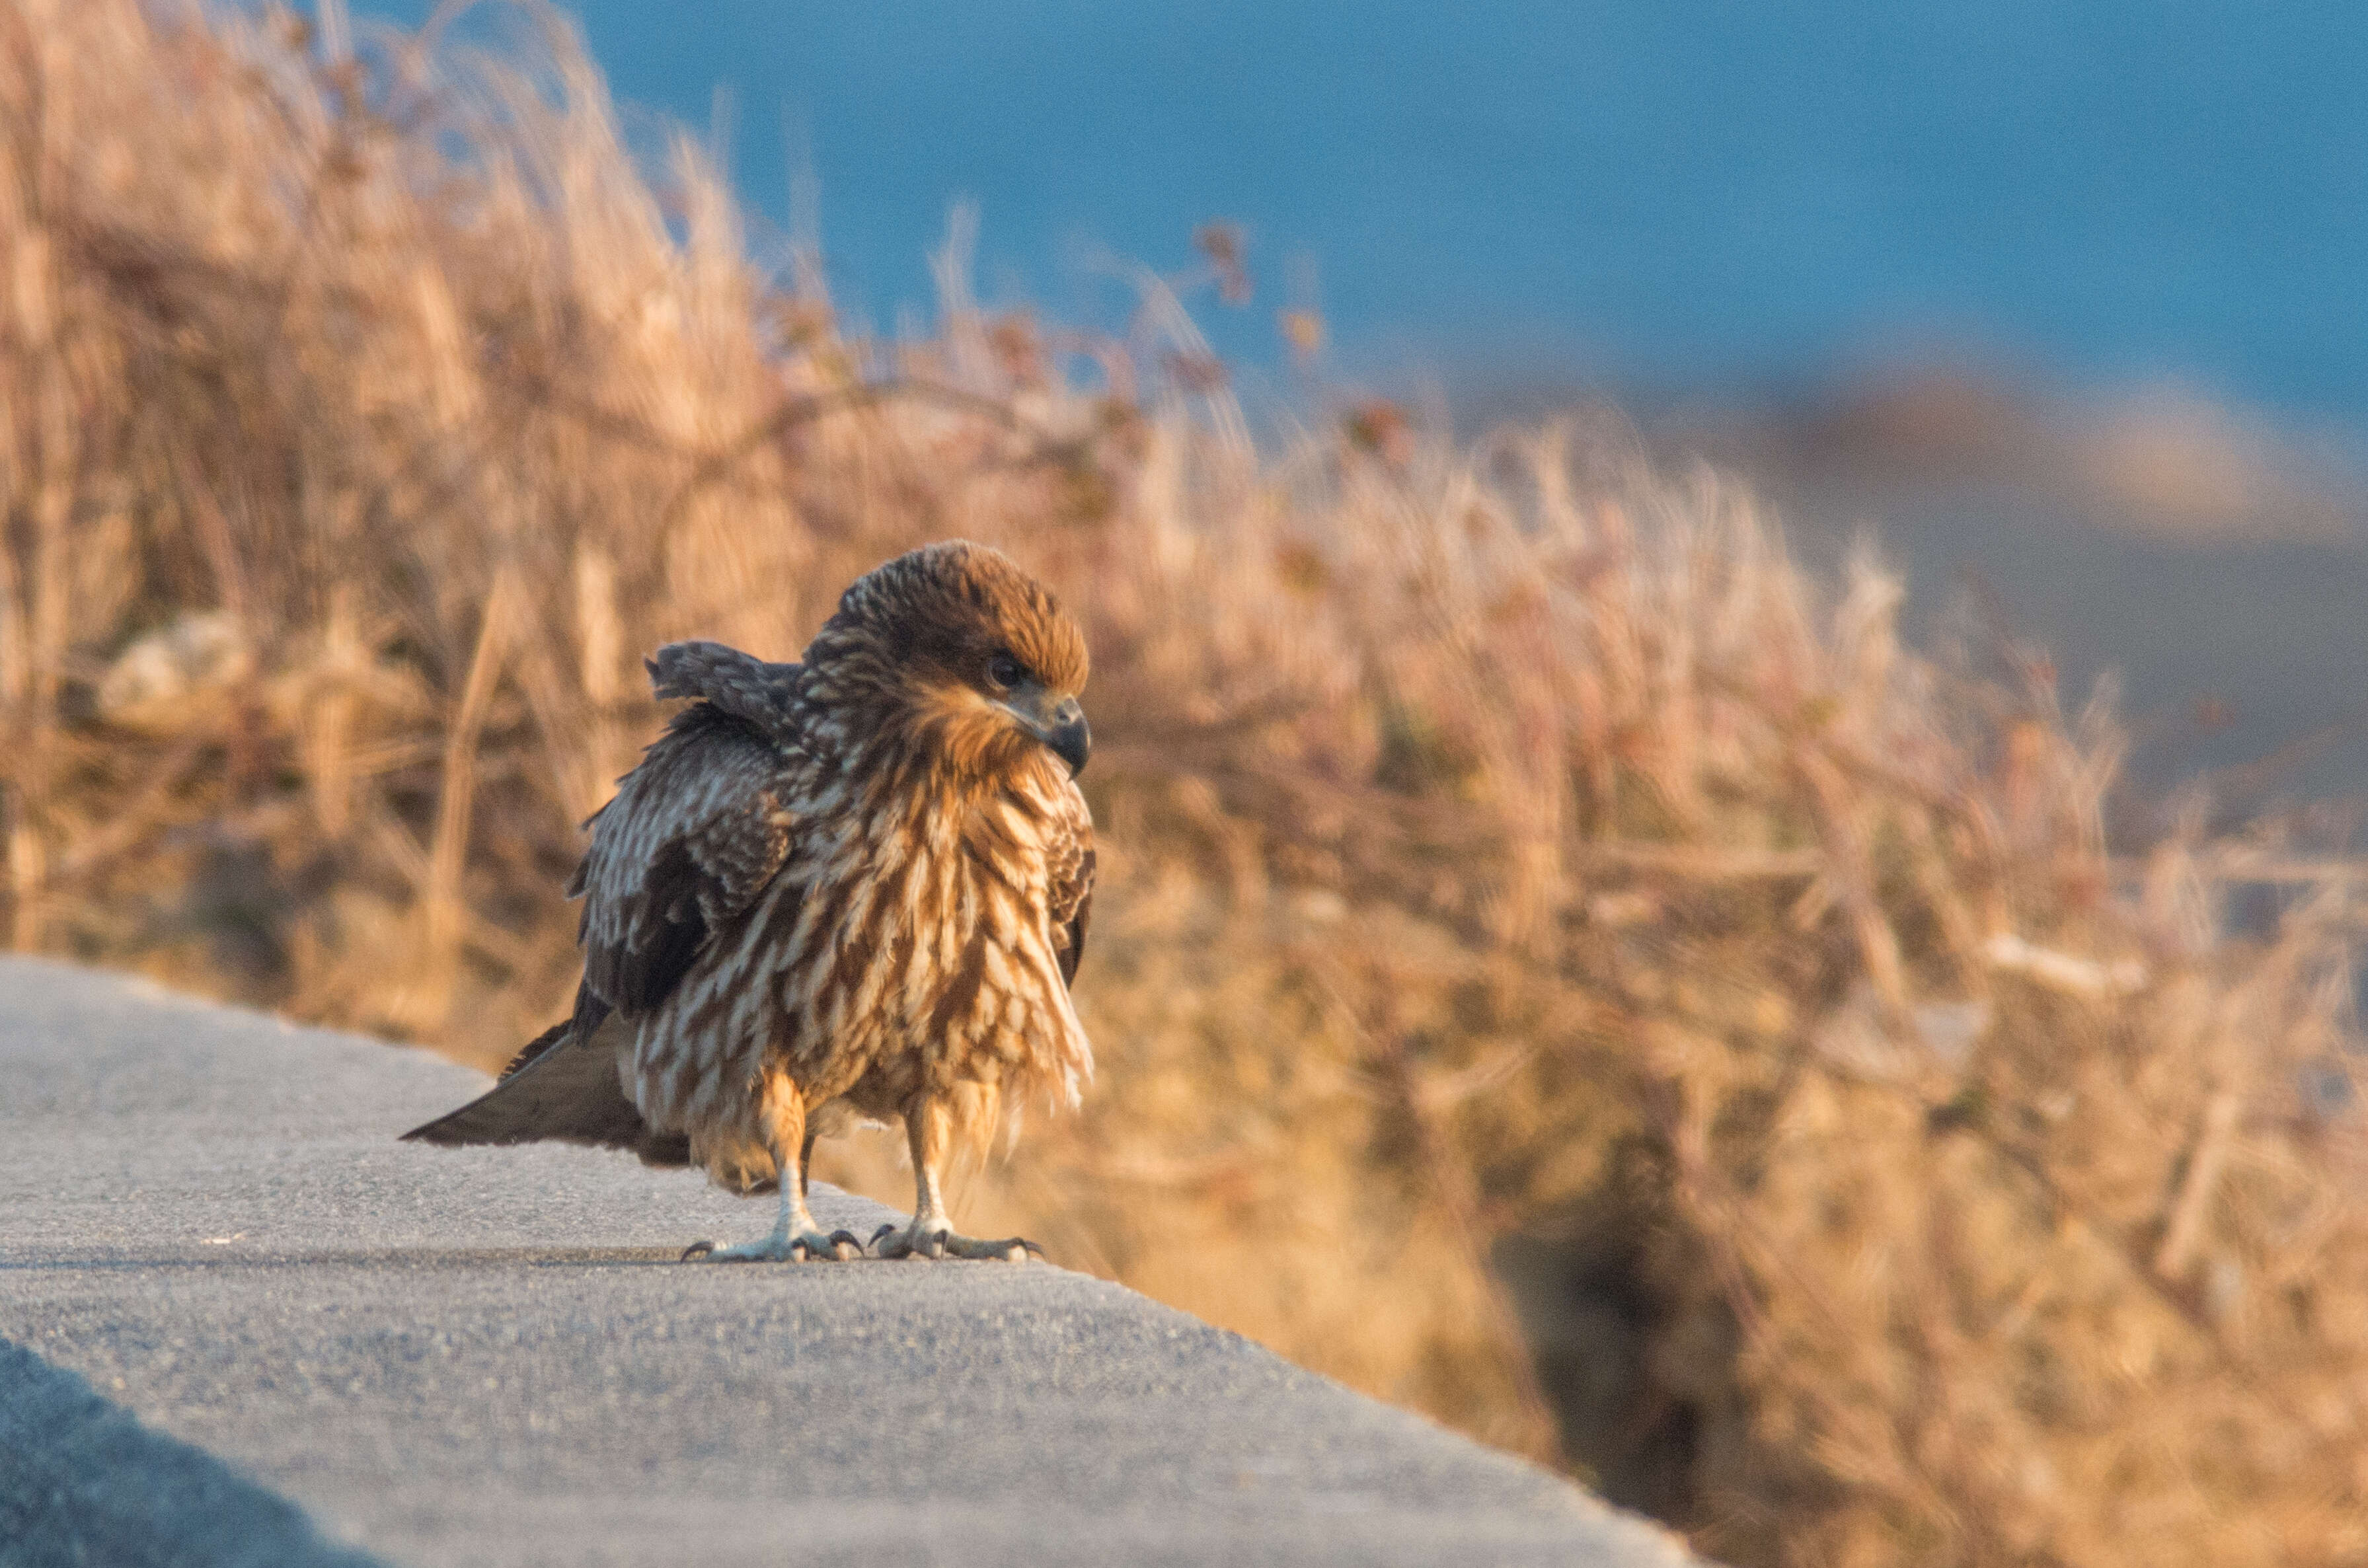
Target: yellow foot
(914, 1242)
(781, 1247)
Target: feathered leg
(795, 1238)
(930, 1126)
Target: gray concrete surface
(82, 1481)
(242, 1293)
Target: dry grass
(1506, 847)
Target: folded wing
(694, 835)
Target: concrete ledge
(82, 1481)
(491, 1355)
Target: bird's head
(967, 653)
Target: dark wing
(694, 834)
(1072, 888)
(692, 837)
(740, 684)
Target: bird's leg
(795, 1237)
(929, 1126)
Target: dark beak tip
(1073, 743)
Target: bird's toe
(805, 1247)
(890, 1241)
(1011, 1249)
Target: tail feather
(536, 1047)
(562, 1088)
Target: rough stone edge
(833, 1206)
(84, 1481)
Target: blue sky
(1679, 195)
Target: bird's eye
(1005, 671)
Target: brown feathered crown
(942, 613)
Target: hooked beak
(1059, 725)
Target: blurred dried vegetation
(2158, 462)
(1556, 966)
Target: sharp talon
(1011, 1249)
(843, 1245)
(697, 1249)
(892, 1241)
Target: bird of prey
(851, 887)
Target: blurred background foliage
(1564, 963)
